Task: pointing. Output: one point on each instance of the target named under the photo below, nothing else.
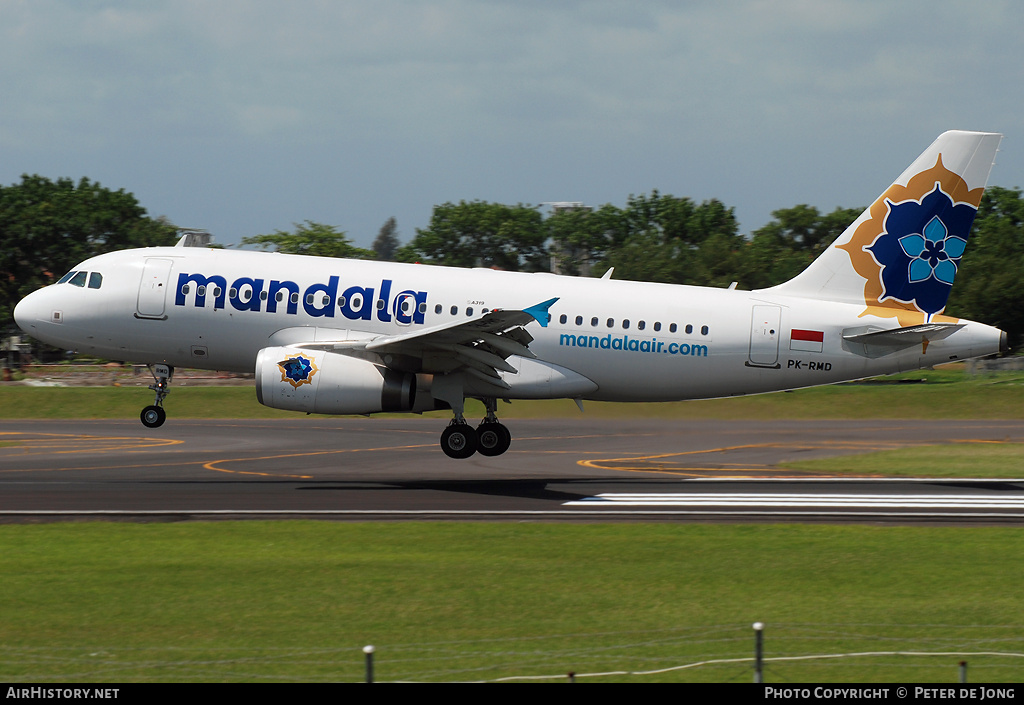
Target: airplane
(337, 336)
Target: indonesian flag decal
(806, 340)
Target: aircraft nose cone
(31, 312)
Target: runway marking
(31, 443)
(781, 500)
(212, 465)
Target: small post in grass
(368, 650)
(758, 652)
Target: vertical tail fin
(899, 258)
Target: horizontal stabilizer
(901, 337)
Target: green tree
(47, 227)
(481, 234)
(310, 238)
(647, 256)
(989, 283)
(785, 247)
(386, 244)
(666, 238)
(582, 237)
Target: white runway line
(933, 501)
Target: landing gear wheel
(459, 441)
(492, 438)
(153, 416)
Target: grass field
(972, 460)
(296, 601)
(449, 601)
(945, 393)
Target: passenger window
(200, 290)
(640, 325)
(625, 324)
(279, 296)
(79, 279)
(326, 301)
(263, 295)
(593, 321)
(309, 299)
(184, 289)
(703, 330)
(455, 310)
(689, 329)
(294, 298)
(673, 328)
(341, 302)
(563, 318)
(95, 280)
(469, 310)
(437, 308)
(423, 307)
(380, 304)
(579, 320)
(611, 322)
(657, 325)
(216, 291)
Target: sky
(246, 117)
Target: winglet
(540, 312)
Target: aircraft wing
(480, 344)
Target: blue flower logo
(297, 370)
(920, 247)
(933, 253)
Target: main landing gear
(490, 438)
(154, 415)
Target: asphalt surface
(560, 469)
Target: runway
(560, 469)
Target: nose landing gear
(154, 415)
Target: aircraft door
(153, 288)
(764, 336)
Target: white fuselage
(216, 309)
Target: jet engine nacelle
(330, 383)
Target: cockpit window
(78, 278)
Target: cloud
(497, 99)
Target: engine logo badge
(297, 370)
